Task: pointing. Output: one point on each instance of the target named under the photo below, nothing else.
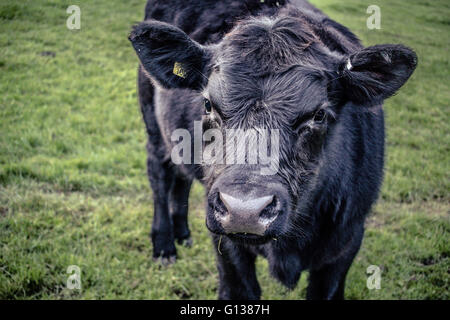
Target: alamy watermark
(234, 146)
(374, 20)
(73, 22)
(374, 278)
(74, 280)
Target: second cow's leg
(178, 204)
(161, 179)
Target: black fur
(264, 65)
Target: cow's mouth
(248, 238)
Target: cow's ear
(376, 73)
(169, 55)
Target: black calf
(279, 72)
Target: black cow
(276, 67)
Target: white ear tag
(349, 65)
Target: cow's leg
(328, 282)
(161, 179)
(237, 276)
(160, 174)
(179, 201)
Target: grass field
(73, 185)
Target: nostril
(270, 211)
(219, 206)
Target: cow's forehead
(283, 95)
(274, 63)
(270, 44)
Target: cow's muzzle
(243, 212)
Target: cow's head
(269, 74)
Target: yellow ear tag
(178, 70)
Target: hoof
(165, 261)
(186, 242)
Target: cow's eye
(207, 105)
(320, 116)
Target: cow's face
(262, 84)
(273, 85)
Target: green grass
(73, 186)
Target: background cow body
(329, 197)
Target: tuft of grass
(73, 185)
